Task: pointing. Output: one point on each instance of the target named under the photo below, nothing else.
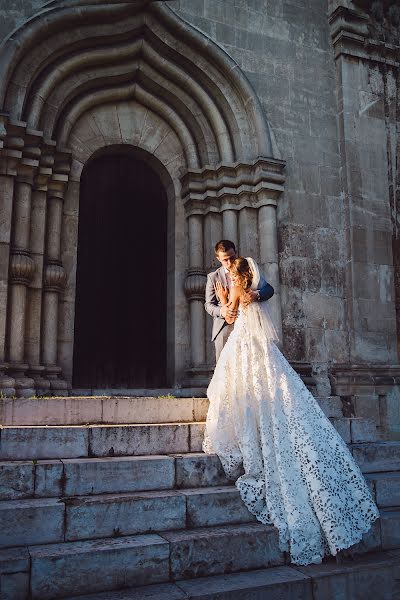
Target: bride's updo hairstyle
(241, 269)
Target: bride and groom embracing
(299, 474)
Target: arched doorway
(120, 317)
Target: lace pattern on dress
(298, 472)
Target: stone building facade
(272, 123)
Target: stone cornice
(351, 36)
(371, 378)
(233, 186)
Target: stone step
(86, 476)
(51, 520)
(377, 457)
(75, 441)
(356, 429)
(78, 477)
(102, 565)
(385, 488)
(83, 410)
(373, 576)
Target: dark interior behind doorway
(120, 316)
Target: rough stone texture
(16, 480)
(14, 573)
(222, 550)
(82, 410)
(363, 430)
(123, 514)
(163, 591)
(331, 406)
(48, 478)
(342, 426)
(386, 487)
(375, 576)
(274, 584)
(19, 443)
(120, 562)
(390, 528)
(114, 475)
(215, 506)
(139, 439)
(196, 437)
(371, 541)
(379, 456)
(38, 521)
(197, 470)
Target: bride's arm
(234, 300)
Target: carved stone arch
(81, 76)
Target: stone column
(7, 383)
(34, 301)
(8, 161)
(230, 225)
(268, 235)
(54, 281)
(194, 288)
(21, 271)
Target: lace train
(298, 472)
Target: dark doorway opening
(120, 310)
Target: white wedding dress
(298, 472)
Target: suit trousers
(221, 339)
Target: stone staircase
(111, 498)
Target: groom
(225, 253)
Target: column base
(7, 383)
(58, 386)
(42, 385)
(199, 377)
(24, 386)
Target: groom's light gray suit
(221, 329)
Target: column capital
(22, 267)
(54, 276)
(195, 284)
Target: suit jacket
(212, 304)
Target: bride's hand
(221, 292)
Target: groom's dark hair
(224, 246)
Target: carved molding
(26, 155)
(353, 379)
(233, 187)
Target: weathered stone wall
(369, 116)
(15, 12)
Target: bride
(298, 472)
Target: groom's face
(226, 258)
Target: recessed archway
(121, 289)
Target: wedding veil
(259, 315)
